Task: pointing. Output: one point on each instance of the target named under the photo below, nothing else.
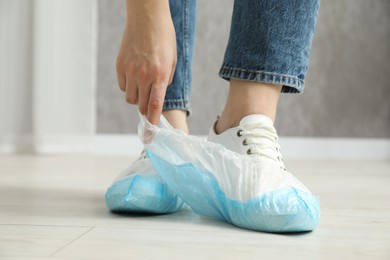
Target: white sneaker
(139, 188)
(241, 179)
(255, 136)
(140, 166)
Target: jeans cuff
(290, 84)
(177, 104)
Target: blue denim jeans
(270, 42)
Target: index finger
(156, 102)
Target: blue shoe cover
(250, 193)
(140, 189)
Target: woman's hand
(147, 58)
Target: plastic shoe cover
(216, 182)
(139, 188)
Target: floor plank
(52, 207)
(27, 240)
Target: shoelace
(142, 155)
(263, 141)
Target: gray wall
(346, 95)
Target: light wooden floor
(53, 207)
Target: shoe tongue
(256, 119)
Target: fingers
(143, 99)
(147, 94)
(144, 87)
(131, 91)
(120, 74)
(172, 73)
(156, 101)
(152, 86)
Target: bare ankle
(226, 121)
(247, 98)
(177, 118)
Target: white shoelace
(142, 155)
(262, 140)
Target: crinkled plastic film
(142, 190)
(250, 193)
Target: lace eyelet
(244, 142)
(249, 152)
(239, 133)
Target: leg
(247, 98)
(268, 52)
(177, 104)
(177, 118)
(249, 187)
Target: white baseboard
(292, 147)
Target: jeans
(270, 42)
